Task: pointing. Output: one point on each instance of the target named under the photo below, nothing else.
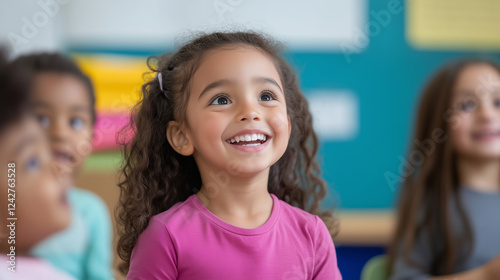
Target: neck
(241, 201)
(479, 174)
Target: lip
(486, 135)
(250, 131)
(250, 148)
(62, 155)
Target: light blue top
(482, 210)
(84, 248)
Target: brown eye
(44, 121)
(220, 100)
(77, 123)
(33, 164)
(267, 96)
(467, 106)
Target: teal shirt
(84, 248)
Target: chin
(487, 155)
(248, 170)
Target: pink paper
(105, 129)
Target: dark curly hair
(57, 63)
(155, 177)
(15, 85)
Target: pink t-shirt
(189, 242)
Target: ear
(179, 139)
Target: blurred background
(362, 65)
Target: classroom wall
(362, 64)
(362, 83)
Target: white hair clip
(160, 80)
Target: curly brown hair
(155, 177)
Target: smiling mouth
(62, 156)
(485, 135)
(254, 139)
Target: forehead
(18, 137)
(477, 80)
(236, 63)
(60, 90)
(479, 74)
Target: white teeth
(247, 138)
(251, 145)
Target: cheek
(82, 137)
(279, 123)
(208, 130)
(56, 212)
(41, 203)
(82, 145)
(462, 128)
(460, 134)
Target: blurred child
(63, 101)
(224, 149)
(448, 222)
(33, 201)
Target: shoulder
(179, 217)
(163, 231)
(295, 213)
(89, 206)
(84, 198)
(300, 218)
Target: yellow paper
(117, 80)
(453, 24)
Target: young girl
(223, 151)
(34, 202)
(63, 101)
(448, 222)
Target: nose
(248, 111)
(58, 130)
(486, 112)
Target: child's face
(236, 115)
(476, 134)
(40, 200)
(62, 104)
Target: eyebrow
(40, 104)
(266, 80)
(219, 83)
(77, 108)
(464, 93)
(225, 82)
(80, 109)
